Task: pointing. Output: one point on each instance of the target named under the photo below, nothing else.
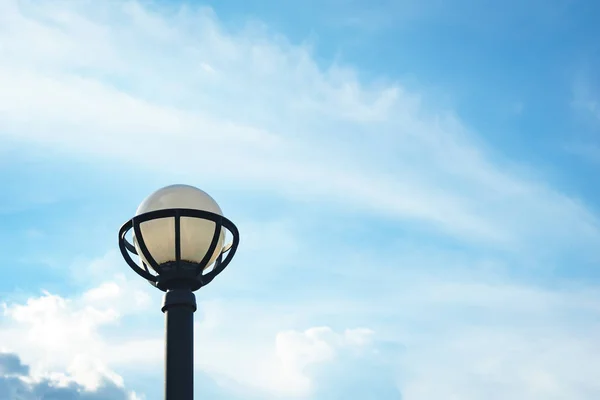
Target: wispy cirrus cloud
(271, 116)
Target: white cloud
(85, 338)
(138, 92)
(470, 338)
(55, 333)
(497, 341)
(264, 358)
(522, 364)
(17, 381)
(296, 351)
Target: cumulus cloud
(515, 343)
(86, 339)
(11, 364)
(314, 363)
(69, 334)
(351, 364)
(266, 359)
(426, 337)
(17, 383)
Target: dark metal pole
(179, 306)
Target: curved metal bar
(211, 248)
(231, 252)
(142, 244)
(184, 212)
(235, 233)
(129, 246)
(122, 246)
(209, 276)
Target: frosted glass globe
(196, 233)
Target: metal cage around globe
(178, 235)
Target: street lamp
(179, 236)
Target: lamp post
(179, 236)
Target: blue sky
(413, 182)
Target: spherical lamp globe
(196, 234)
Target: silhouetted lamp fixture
(179, 235)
